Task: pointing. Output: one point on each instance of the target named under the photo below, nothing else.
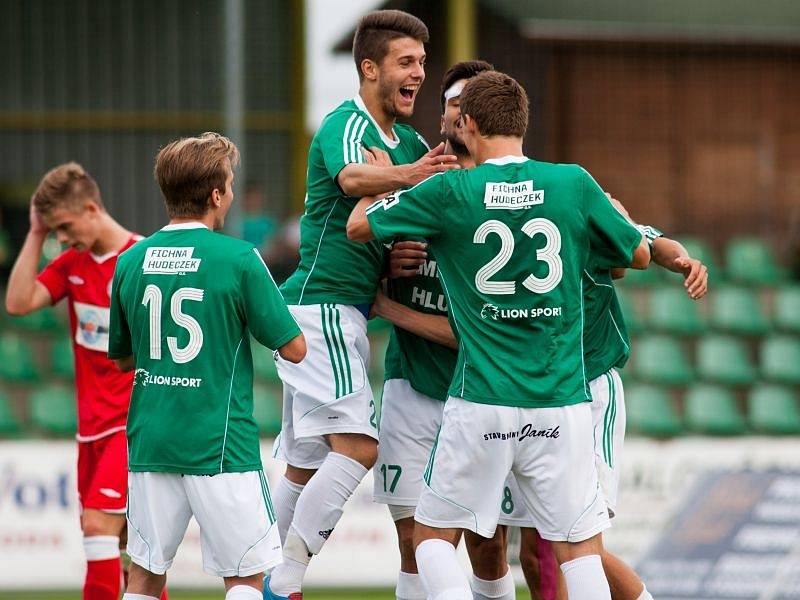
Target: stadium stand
(724, 359)
(650, 411)
(52, 410)
(712, 410)
(773, 409)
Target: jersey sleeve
(268, 318)
(119, 332)
(416, 211)
(54, 276)
(339, 140)
(612, 238)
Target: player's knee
(488, 557)
(96, 522)
(567, 551)
(361, 448)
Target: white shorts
(608, 416)
(238, 532)
(328, 392)
(550, 452)
(409, 424)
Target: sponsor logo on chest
(92, 326)
(170, 261)
(143, 378)
(511, 196)
(495, 313)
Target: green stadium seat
(634, 320)
(780, 359)
(61, 359)
(712, 410)
(738, 310)
(724, 359)
(787, 309)
(264, 363)
(672, 311)
(641, 277)
(751, 260)
(16, 359)
(773, 409)
(52, 410)
(649, 411)
(661, 359)
(9, 423)
(44, 320)
(267, 409)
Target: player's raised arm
(357, 179)
(24, 293)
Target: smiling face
(451, 121)
(400, 75)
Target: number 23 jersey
(512, 237)
(185, 302)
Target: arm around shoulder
(641, 255)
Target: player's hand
(695, 276)
(435, 161)
(376, 156)
(377, 305)
(405, 258)
(37, 225)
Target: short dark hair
(497, 103)
(376, 29)
(462, 70)
(189, 169)
(65, 186)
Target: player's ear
(441, 125)
(369, 69)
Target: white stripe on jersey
(346, 140)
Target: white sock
(101, 547)
(287, 577)
(243, 592)
(321, 501)
(129, 596)
(645, 595)
(409, 587)
(498, 589)
(440, 572)
(284, 499)
(586, 579)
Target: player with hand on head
(511, 238)
(329, 431)
(185, 303)
(67, 201)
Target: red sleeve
(54, 276)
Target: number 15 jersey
(184, 303)
(512, 238)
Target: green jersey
(606, 343)
(184, 303)
(427, 366)
(333, 269)
(512, 238)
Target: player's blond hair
(189, 169)
(65, 186)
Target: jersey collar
(507, 160)
(101, 258)
(181, 226)
(390, 143)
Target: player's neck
(464, 160)
(375, 108)
(497, 147)
(112, 236)
(207, 220)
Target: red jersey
(103, 391)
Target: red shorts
(103, 473)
